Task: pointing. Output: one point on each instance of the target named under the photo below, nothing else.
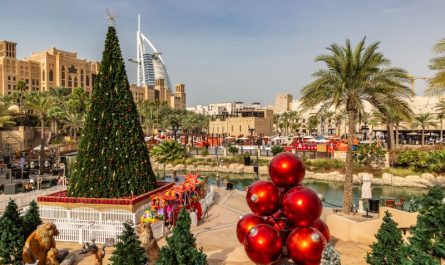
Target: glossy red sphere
(305, 245)
(246, 223)
(286, 170)
(301, 206)
(263, 198)
(321, 226)
(263, 244)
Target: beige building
(57, 68)
(243, 123)
(160, 93)
(44, 70)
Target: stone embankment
(424, 180)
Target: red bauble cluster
(285, 214)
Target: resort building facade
(53, 68)
(249, 121)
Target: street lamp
(175, 127)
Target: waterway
(332, 192)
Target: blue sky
(243, 50)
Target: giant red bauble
(263, 197)
(321, 226)
(286, 170)
(263, 244)
(301, 206)
(246, 223)
(305, 245)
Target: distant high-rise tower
(150, 65)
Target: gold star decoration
(111, 17)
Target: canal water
(332, 192)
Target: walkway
(216, 235)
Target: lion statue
(148, 242)
(39, 243)
(51, 257)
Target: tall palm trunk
(441, 132)
(397, 136)
(42, 143)
(423, 135)
(75, 135)
(347, 192)
(390, 136)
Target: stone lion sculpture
(148, 242)
(51, 257)
(39, 243)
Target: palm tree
(338, 119)
(73, 122)
(392, 115)
(5, 119)
(167, 152)
(148, 112)
(40, 104)
(424, 121)
(312, 124)
(440, 106)
(21, 86)
(352, 77)
(284, 119)
(437, 83)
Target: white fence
(84, 223)
(83, 231)
(23, 199)
(86, 214)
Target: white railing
(23, 199)
(86, 214)
(83, 231)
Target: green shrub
(370, 155)
(233, 149)
(432, 160)
(205, 152)
(276, 149)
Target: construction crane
(414, 78)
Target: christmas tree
(427, 243)
(330, 256)
(181, 246)
(11, 235)
(389, 246)
(112, 158)
(128, 249)
(31, 220)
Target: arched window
(43, 75)
(51, 76)
(75, 82)
(70, 82)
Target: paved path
(216, 235)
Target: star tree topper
(111, 17)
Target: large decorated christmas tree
(112, 159)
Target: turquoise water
(331, 191)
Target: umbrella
(38, 148)
(366, 187)
(412, 133)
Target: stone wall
(424, 180)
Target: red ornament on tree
(321, 226)
(286, 170)
(305, 245)
(301, 206)
(263, 198)
(263, 244)
(246, 223)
